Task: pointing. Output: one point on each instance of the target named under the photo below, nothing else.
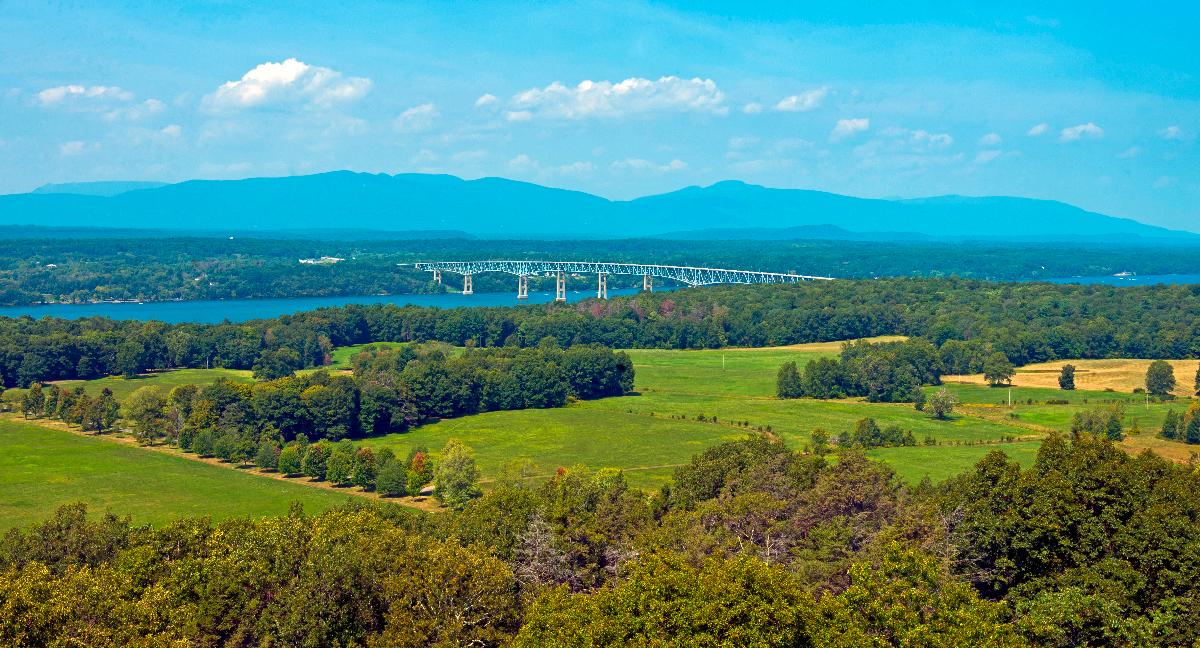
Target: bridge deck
(693, 276)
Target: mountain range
(500, 207)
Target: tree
(145, 409)
(1170, 426)
(919, 399)
(820, 441)
(1066, 379)
(457, 476)
(267, 456)
(997, 370)
(1160, 379)
(1196, 382)
(420, 470)
(787, 382)
(280, 363)
(1191, 429)
(941, 403)
(109, 409)
(364, 469)
(315, 459)
(1113, 428)
(392, 480)
(822, 379)
(290, 459)
(34, 401)
(339, 465)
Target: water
(1132, 280)
(240, 310)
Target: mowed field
(684, 402)
(659, 427)
(1095, 375)
(42, 468)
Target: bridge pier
(467, 290)
(522, 287)
(602, 286)
(437, 276)
(647, 284)
(560, 287)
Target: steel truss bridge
(689, 275)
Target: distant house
(325, 260)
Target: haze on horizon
(1097, 106)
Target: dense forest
(752, 544)
(84, 268)
(967, 321)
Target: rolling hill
(501, 207)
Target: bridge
(689, 275)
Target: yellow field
(820, 347)
(1118, 375)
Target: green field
(43, 468)
(656, 428)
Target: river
(241, 310)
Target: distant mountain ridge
(500, 207)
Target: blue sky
(1097, 105)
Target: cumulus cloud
(485, 99)
(417, 118)
(804, 101)
(518, 115)
(1171, 133)
(752, 108)
(289, 82)
(60, 94)
(171, 130)
(1039, 130)
(639, 164)
(848, 127)
(991, 139)
(1073, 133)
(632, 96)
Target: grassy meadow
(42, 468)
(683, 402)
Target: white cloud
(1171, 133)
(931, 140)
(416, 119)
(470, 156)
(576, 168)
(848, 127)
(639, 164)
(521, 162)
(288, 82)
(628, 97)
(74, 147)
(485, 99)
(742, 142)
(172, 131)
(1039, 130)
(752, 108)
(804, 101)
(991, 139)
(1131, 152)
(135, 112)
(1080, 131)
(56, 95)
(1164, 181)
(518, 115)
(983, 157)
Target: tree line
(1023, 323)
(388, 391)
(750, 544)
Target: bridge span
(689, 275)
